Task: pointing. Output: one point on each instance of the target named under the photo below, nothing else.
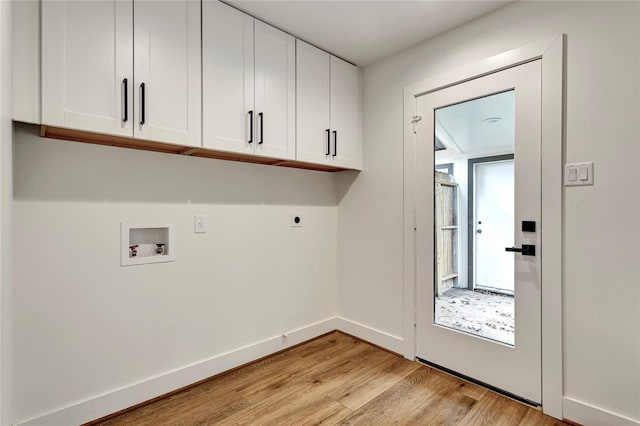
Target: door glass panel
(474, 289)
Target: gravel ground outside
(484, 314)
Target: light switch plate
(578, 174)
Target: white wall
(601, 226)
(6, 185)
(86, 326)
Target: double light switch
(578, 174)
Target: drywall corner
(6, 208)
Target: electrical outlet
(296, 221)
(199, 224)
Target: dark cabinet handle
(261, 117)
(335, 143)
(142, 108)
(125, 100)
(250, 127)
(328, 142)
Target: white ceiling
(464, 130)
(365, 31)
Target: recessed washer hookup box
(143, 243)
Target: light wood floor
(335, 379)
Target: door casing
(551, 52)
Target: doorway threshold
(493, 290)
(480, 383)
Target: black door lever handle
(526, 250)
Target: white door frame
(551, 52)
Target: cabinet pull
(142, 96)
(261, 117)
(335, 143)
(328, 142)
(125, 100)
(250, 127)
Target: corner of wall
(6, 207)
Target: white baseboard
(377, 337)
(590, 415)
(116, 400)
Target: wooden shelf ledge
(131, 143)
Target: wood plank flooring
(335, 380)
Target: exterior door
(515, 366)
(493, 222)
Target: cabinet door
(228, 79)
(275, 96)
(312, 104)
(345, 135)
(167, 92)
(87, 65)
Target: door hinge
(414, 120)
(415, 220)
(415, 318)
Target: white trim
(7, 322)
(499, 62)
(409, 247)
(118, 399)
(371, 335)
(551, 51)
(587, 414)
(551, 229)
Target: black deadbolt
(297, 219)
(528, 226)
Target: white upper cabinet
(192, 73)
(275, 92)
(87, 65)
(89, 62)
(345, 114)
(227, 79)
(167, 97)
(327, 109)
(248, 84)
(313, 100)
